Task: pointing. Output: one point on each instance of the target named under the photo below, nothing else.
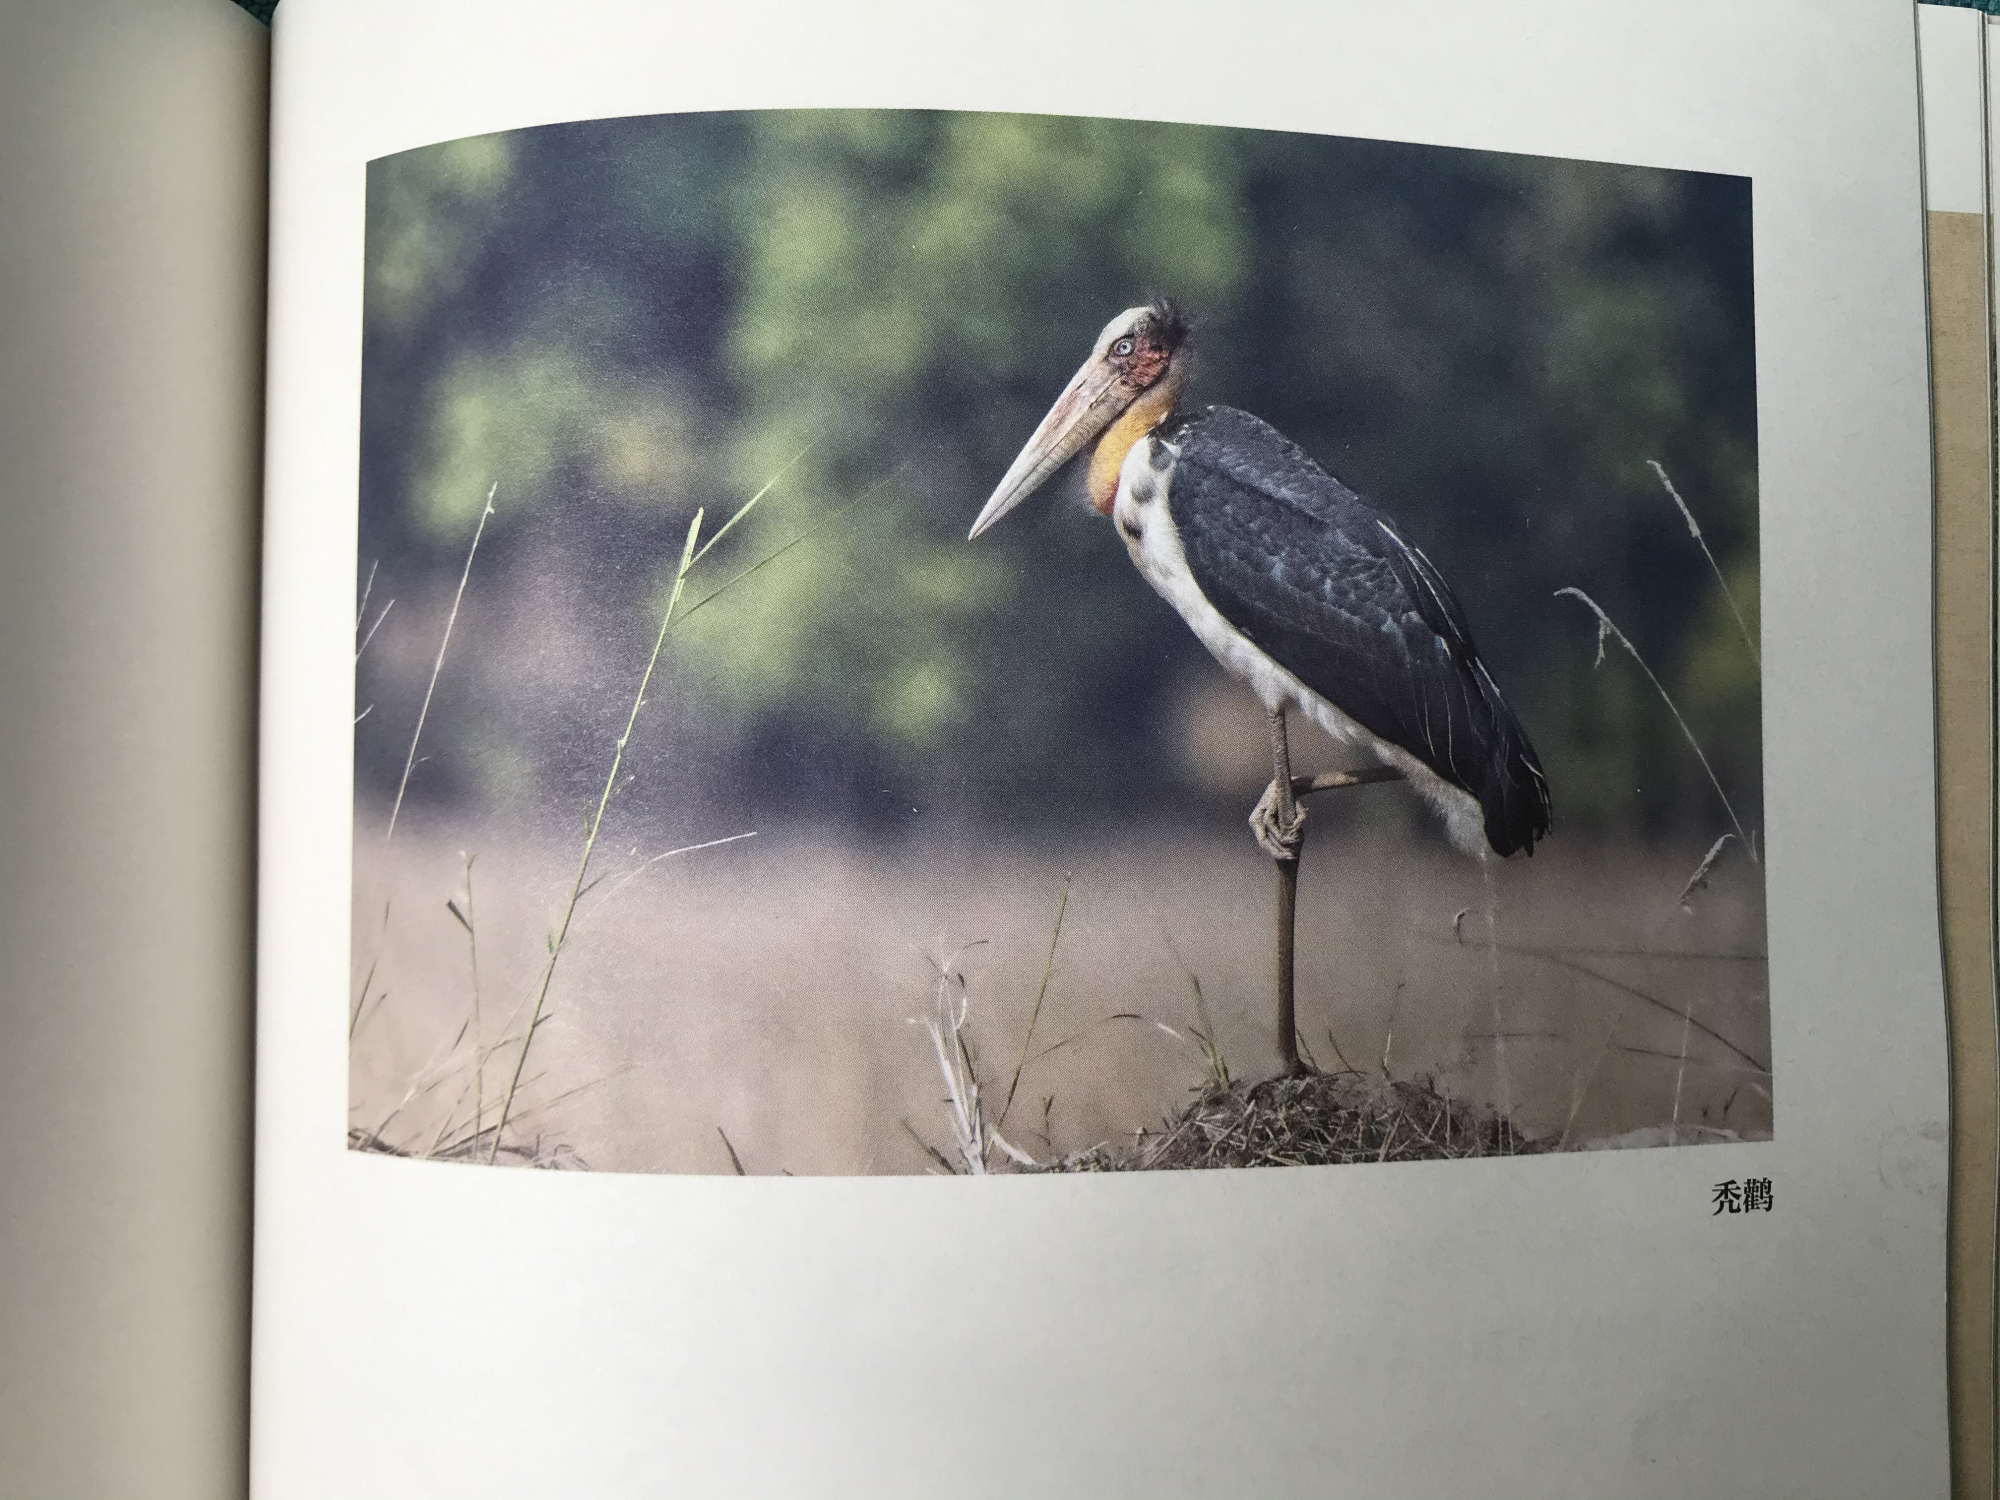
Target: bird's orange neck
(1138, 419)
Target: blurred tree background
(620, 320)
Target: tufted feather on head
(1167, 322)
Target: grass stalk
(367, 983)
(1581, 1089)
(1041, 992)
(465, 920)
(361, 613)
(734, 1160)
(961, 1078)
(368, 588)
(410, 761)
(777, 552)
(1203, 1029)
(692, 551)
(1680, 1076)
(597, 823)
(1699, 880)
(1606, 628)
(1694, 530)
(363, 646)
(634, 874)
(1204, 1036)
(1548, 955)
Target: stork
(1300, 589)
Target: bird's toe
(1277, 836)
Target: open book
(1158, 752)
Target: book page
(664, 789)
(132, 171)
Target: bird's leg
(1279, 823)
(1277, 819)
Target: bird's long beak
(1085, 408)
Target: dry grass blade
(1211, 1051)
(429, 1076)
(1583, 1086)
(1694, 530)
(465, 920)
(1203, 1031)
(372, 629)
(1561, 961)
(972, 1136)
(361, 1003)
(734, 1160)
(1041, 992)
(1699, 880)
(632, 875)
(1680, 1076)
(451, 619)
(467, 1142)
(368, 588)
(961, 1081)
(943, 1162)
(1606, 628)
(1334, 1042)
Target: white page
(1574, 1325)
(1954, 134)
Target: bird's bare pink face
(1140, 357)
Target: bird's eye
(1123, 347)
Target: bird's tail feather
(1513, 791)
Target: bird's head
(1125, 389)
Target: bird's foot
(1275, 836)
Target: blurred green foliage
(619, 320)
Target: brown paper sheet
(1961, 384)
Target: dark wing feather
(1324, 585)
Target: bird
(1300, 588)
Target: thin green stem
(749, 505)
(770, 557)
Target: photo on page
(914, 642)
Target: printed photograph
(936, 643)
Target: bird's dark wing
(1323, 584)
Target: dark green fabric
(261, 9)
